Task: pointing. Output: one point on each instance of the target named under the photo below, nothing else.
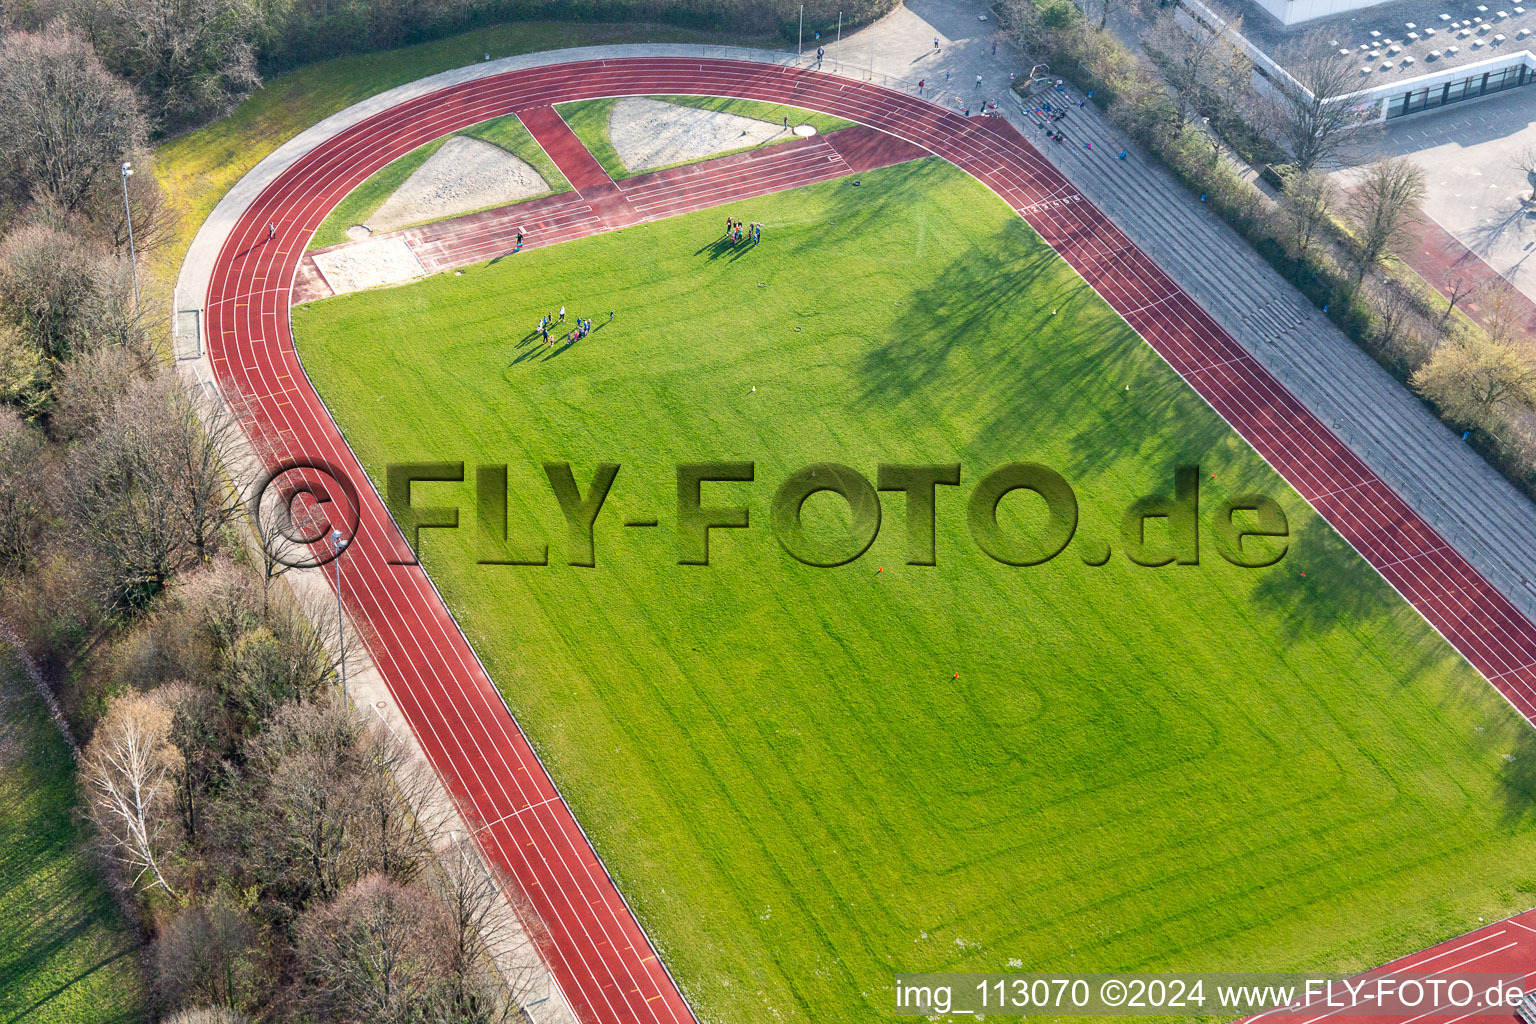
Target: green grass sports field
(805, 779)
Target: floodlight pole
(800, 44)
(128, 216)
(338, 545)
(839, 57)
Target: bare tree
(223, 601)
(65, 120)
(1525, 163)
(121, 495)
(1395, 310)
(207, 1015)
(1462, 284)
(65, 294)
(91, 388)
(373, 955)
(1203, 65)
(1310, 109)
(127, 772)
(492, 964)
(1476, 380)
(200, 436)
(1107, 6)
(398, 809)
(1309, 200)
(1384, 206)
(154, 223)
(192, 58)
(207, 954)
(1504, 312)
(307, 767)
(147, 489)
(21, 504)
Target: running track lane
(1506, 948)
(594, 947)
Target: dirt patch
(465, 174)
(649, 133)
(368, 265)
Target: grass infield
(1185, 768)
(66, 955)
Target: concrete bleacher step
(1420, 458)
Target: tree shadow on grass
(1517, 779)
(1311, 606)
(1030, 395)
(1031, 390)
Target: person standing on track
(519, 246)
(271, 232)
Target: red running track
(1507, 949)
(595, 949)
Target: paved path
(1440, 258)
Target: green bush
(1275, 175)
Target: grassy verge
(66, 955)
(361, 203)
(805, 778)
(197, 168)
(589, 119)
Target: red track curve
(596, 950)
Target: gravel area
(368, 265)
(650, 133)
(465, 174)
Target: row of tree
(188, 60)
(1195, 90)
(289, 843)
(281, 853)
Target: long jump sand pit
(464, 175)
(352, 268)
(648, 133)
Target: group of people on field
(549, 328)
(735, 230)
